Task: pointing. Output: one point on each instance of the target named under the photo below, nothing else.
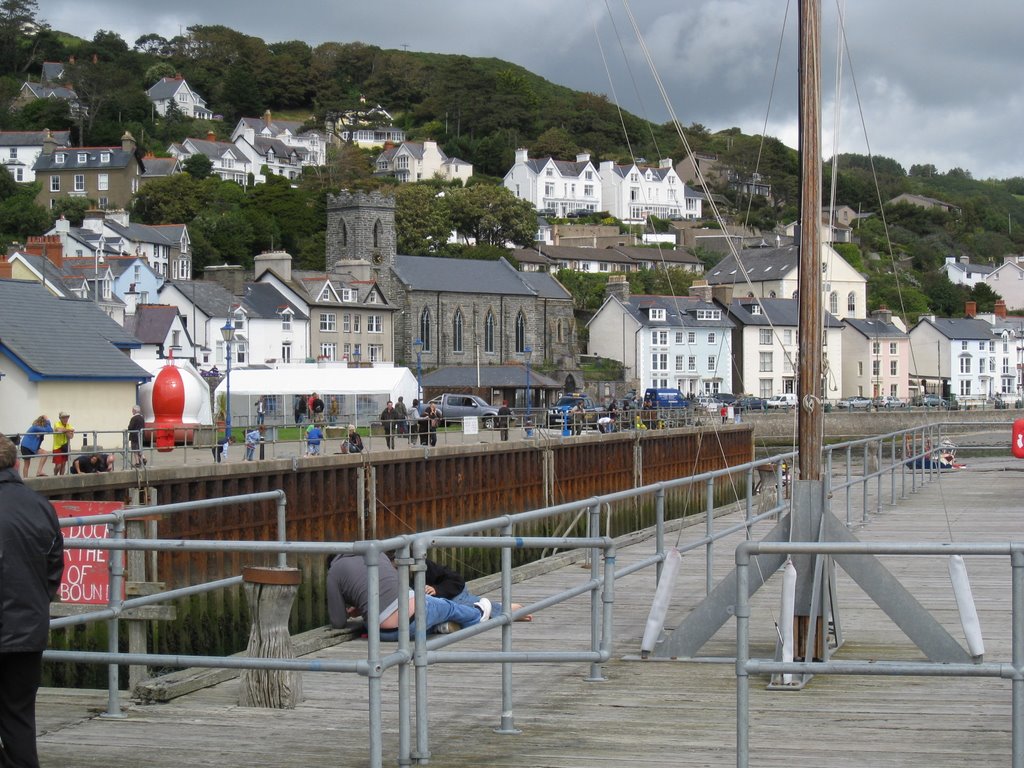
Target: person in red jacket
(31, 567)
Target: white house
(766, 347)
(962, 272)
(876, 357)
(228, 161)
(416, 161)
(957, 357)
(633, 192)
(19, 151)
(613, 258)
(175, 90)
(161, 331)
(682, 342)
(367, 127)
(1008, 281)
(557, 186)
(311, 146)
(771, 273)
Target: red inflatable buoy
(1018, 439)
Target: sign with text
(86, 571)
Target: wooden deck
(646, 713)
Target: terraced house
(107, 176)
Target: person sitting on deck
(442, 581)
(353, 443)
(348, 591)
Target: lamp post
(228, 332)
(418, 345)
(528, 353)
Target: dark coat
(31, 565)
(446, 582)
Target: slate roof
(761, 264)
(494, 376)
(958, 328)
(215, 149)
(265, 301)
(52, 338)
(119, 158)
(165, 88)
(981, 269)
(151, 322)
(429, 273)
(161, 166)
(210, 298)
(263, 145)
(52, 71)
(145, 233)
(275, 127)
(680, 312)
(613, 254)
(33, 138)
(545, 286)
(565, 167)
(874, 329)
(777, 312)
(51, 92)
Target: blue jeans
(465, 597)
(440, 610)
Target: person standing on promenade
(62, 434)
(32, 444)
(388, 420)
(252, 439)
(136, 425)
(504, 419)
(403, 416)
(32, 555)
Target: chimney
(665, 162)
(722, 294)
(278, 261)
(882, 315)
(6, 270)
(46, 246)
(606, 166)
(128, 143)
(1000, 309)
(701, 290)
(617, 286)
(211, 136)
(1011, 258)
(267, 117)
(230, 276)
(965, 259)
(522, 155)
(429, 145)
(49, 143)
(971, 308)
(92, 220)
(583, 157)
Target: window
(709, 314)
(286, 321)
(876, 348)
(876, 368)
(659, 338)
(691, 337)
(691, 363)
(965, 365)
(346, 323)
(679, 362)
(376, 352)
(765, 388)
(712, 363)
(833, 303)
(329, 350)
(103, 182)
(766, 362)
(787, 336)
(892, 347)
(860, 367)
(549, 189)
(328, 322)
(679, 337)
(489, 332)
(712, 338)
(965, 387)
(55, 183)
(59, 158)
(657, 313)
(457, 331)
(425, 326)
(894, 367)
(588, 190)
(659, 361)
(286, 352)
(356, 322)
(83, 157)
(104, 157)
(764, 336)
(851, 303)
(520, 332)
(374, 324)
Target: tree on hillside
(198, 166)
(555, 142)
(422, 219)
(492, 215)
(17, 49)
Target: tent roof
(324, 381)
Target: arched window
(425, 328)
(833, 303)
(457, 331)
(558, 330)
(771, 294)
(520, 332)
(489, 332)
(343, 235)
(851, 303)
(378, 232)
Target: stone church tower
(361, 237)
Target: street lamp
(418, 345)
(228, 332)
(528, 353)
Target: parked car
(784, 400)
(855, 403)
(579, 213)
(455, 407)
(933, 401)
(559, 414)
(547, 212)
(666, 398)
(889, 402)
(751, 404)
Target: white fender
(786, 614)
(662, 597)
(965, 604)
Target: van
(785, 400)
(665, 398)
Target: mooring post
(270, 593)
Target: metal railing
(411, 550)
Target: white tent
(360, 392)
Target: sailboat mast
(810, 419)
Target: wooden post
(270, 593)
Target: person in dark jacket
(442, 581)
(31, 567)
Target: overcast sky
(939, 81)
